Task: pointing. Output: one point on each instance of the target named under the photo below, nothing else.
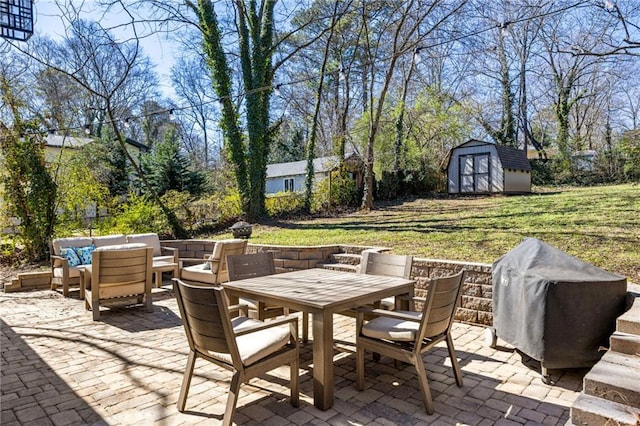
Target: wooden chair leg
(360, 368)
(186, 381)
(95, 309)
(305, 327)
(148, 300)
(424, 384)
(294, 382)
(454, 361)
(234, 390)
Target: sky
(161, 52)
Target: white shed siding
(495, 173)
(517, 181)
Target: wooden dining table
(322, 293)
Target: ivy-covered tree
(169, 169)
(255, 26)
(30, 191)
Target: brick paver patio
(61, 368)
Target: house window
(288, 185)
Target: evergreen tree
(169, 169)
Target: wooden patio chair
(245, 346)
(118, 272)
(390, 265)
(243, 266)
(213, 270)
(407, 335)
(383, 264)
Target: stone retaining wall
(476, 297)
(476, 305)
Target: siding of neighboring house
(278, 173)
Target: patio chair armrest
(190, 261)
(239, 308)
(388, 314)
(172, 250)
(64, 262)
(270, 324)
(412, 298)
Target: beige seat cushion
(163, 259)
(217, 250)
(388, 303)
(123, 246)
(150, 239)
(257, 345)
(393, 329)
(197, 273)
(74, 271)
(58, 243)
(109, 240)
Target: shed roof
(510, 158)
(513, 158)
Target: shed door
(474, 173)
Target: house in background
(290, 177)
(55, 144)
(478, 167)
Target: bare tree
(102, 65)
(192, 84)
(403, 26)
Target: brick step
(629, 322)
(340, 267)
(625, 343)
(616, 377)
(346, 258)
(359, 249)
(591, 410)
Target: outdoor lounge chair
(214, 269)
(118, 272)
(407, 335)
(243, 345)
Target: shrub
(343, 192)
(137, 215)
(284, 203)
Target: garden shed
(478, 167)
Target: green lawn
(600, 225)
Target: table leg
(323, 359)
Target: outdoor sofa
(69, 255)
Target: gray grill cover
(554, 307)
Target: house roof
(295, 168)
(59, 141)
(510, 158)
